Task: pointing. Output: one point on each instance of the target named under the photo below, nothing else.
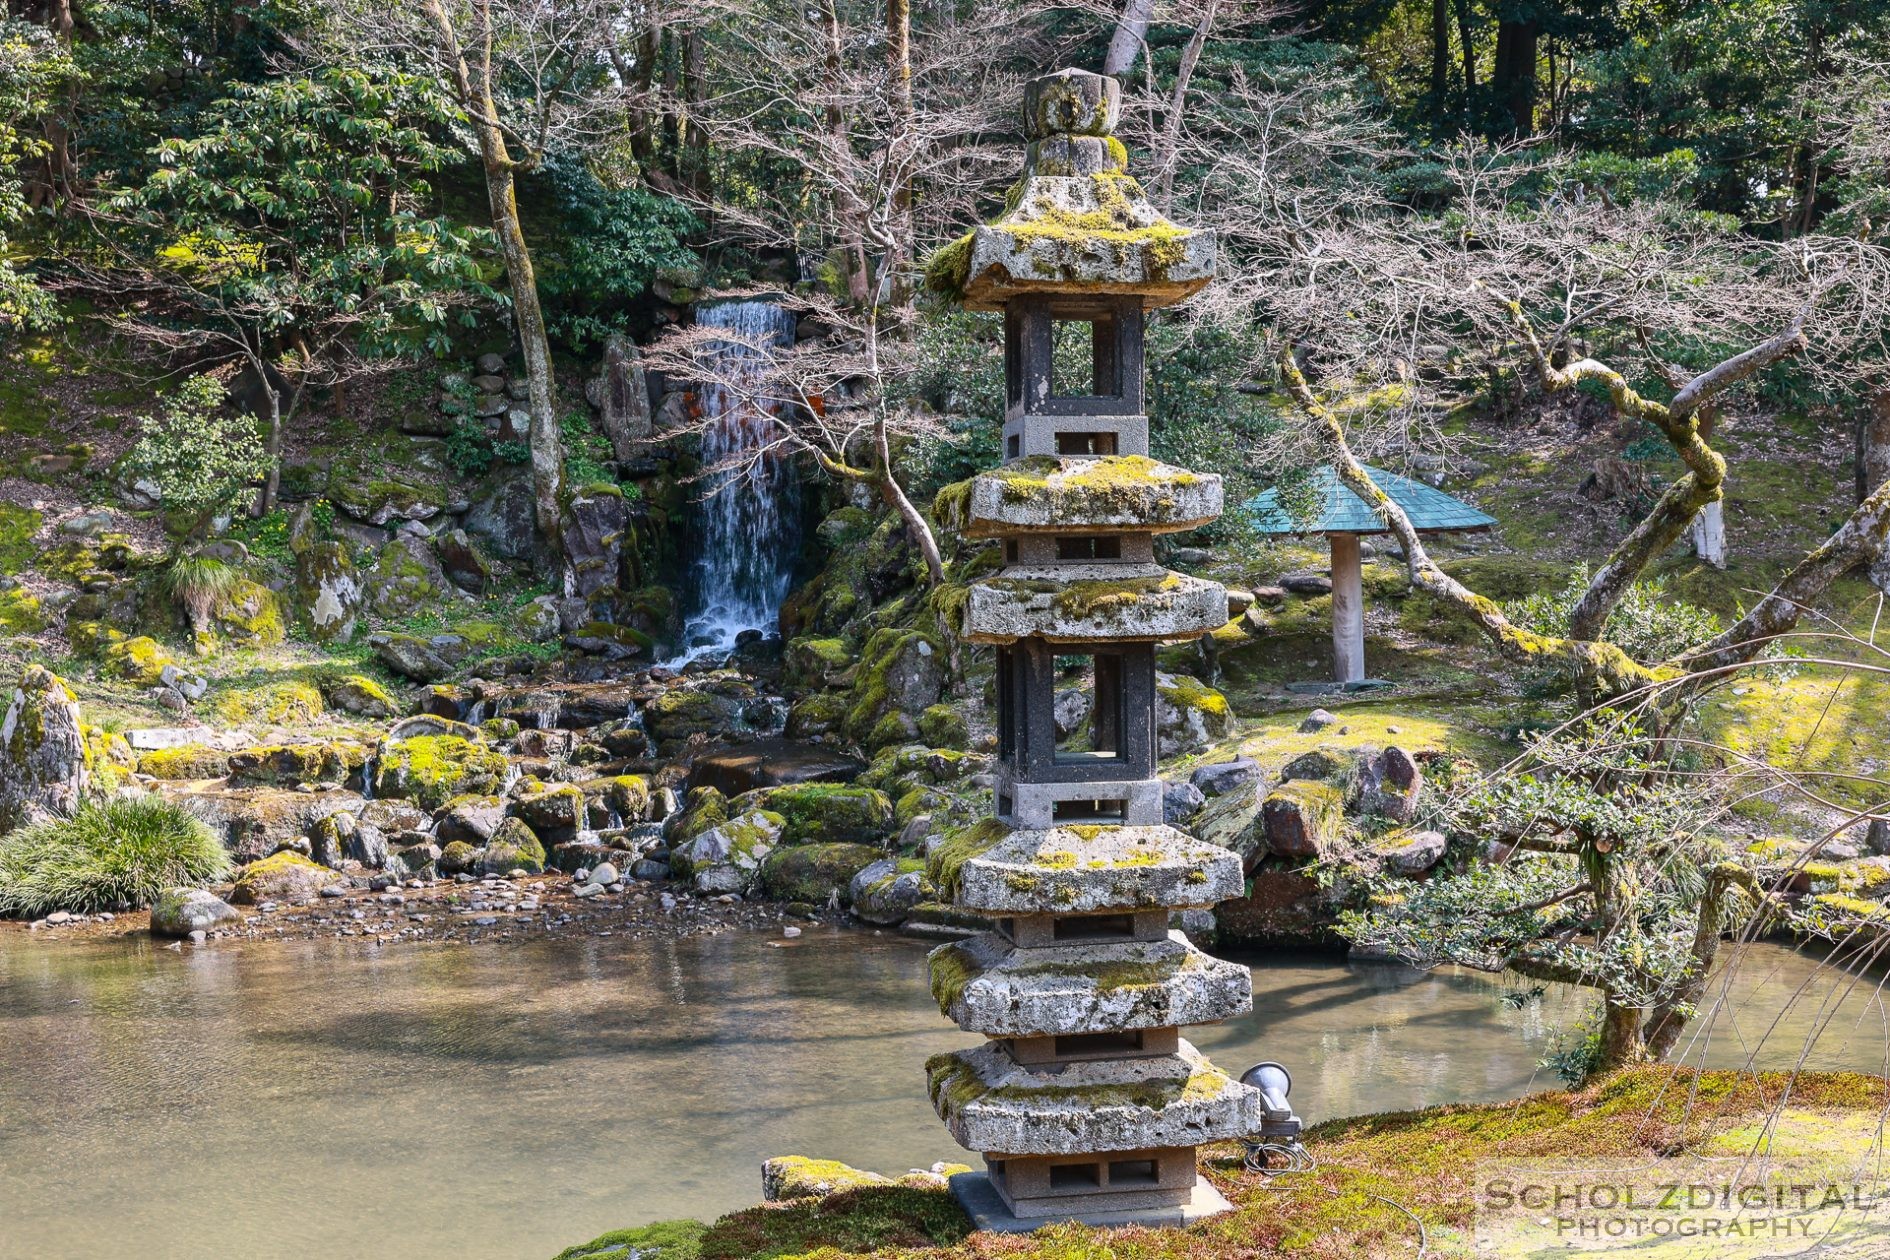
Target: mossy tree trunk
(472, 84)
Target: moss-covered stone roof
(1048, 493)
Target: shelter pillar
(1348, 609)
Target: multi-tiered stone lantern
(1085, 1101)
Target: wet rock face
(771, 763)
(43, 768)
(594, 529)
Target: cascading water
(748, 517)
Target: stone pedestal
(1084, 1100)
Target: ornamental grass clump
(197, 583)
(109, 855)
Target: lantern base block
(988, 1211)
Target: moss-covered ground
(1382, 1184)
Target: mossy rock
(513, 847)
(823, 813)
(292, 703)
(901, 674)
(1189, 714)
(283, 876)
(682, 712)
(812, 872)
(248, 614)
(704, 808)
(432, 769)
(812, 661)
(943, 726)
(626, 795)
(192, 761)
(360, 695)
(816, 716)
(290, 765)
(139, 661)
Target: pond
(320, 1098)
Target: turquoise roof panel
(1343, 512)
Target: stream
(322, 1098)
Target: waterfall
(748, 520)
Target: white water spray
(749, 515)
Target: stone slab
(1088, 604)
(1081, 869)
(987, 1210)
(991, 1103)
(989, 986)
(1090, 494)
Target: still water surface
(319, 1099)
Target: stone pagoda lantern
(1085, 1101)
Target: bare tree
(874, 126)
(531, 76)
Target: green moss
(430, 769)
(20, 612)
(942, 867)
(889, 1220)
(664, 1240)
(950, 968)
(824, 813)
(811, 872)
(1187, 692)
(139, 661)
(17, 527)
(295, 702)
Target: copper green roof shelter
(1342, 517)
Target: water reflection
(321, 1098)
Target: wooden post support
(1348, 609)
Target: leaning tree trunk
(1131, 29)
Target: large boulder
(770, 763)
(1189, 714)
(901, 675)
(594, 526)
(504, 517)
(727, 857)
(1223, 777)
(43, 769)
(472, 819)
(328, 592)
(410, 656)
(283, 876)
(887, 891)
(814, 872)
(432, 769)
(621, 395)
(359, 695)
(255, 822)
(824, 813)
(181, 911)
(681, 712)
(247, 614)
(405, 579)
(377, 502)
(289, 765)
